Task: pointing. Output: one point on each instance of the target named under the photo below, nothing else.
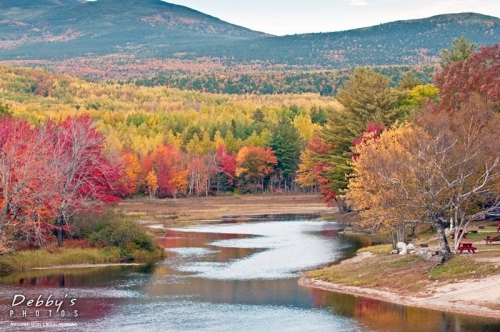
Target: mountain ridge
(125, 32)
(103, 26)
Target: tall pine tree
(287, 145)
(366, 98)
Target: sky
(285, 17)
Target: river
(231, 277)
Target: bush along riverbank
(465, 284)
(95, 238)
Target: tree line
(326, 83)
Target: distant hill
(59, 29)
(108, 39)
(397, 43)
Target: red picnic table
(466, 246)
(490, 240)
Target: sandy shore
(472, 297)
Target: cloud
(358, 3)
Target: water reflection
(285, 248)
(385, 316)
(226, 278)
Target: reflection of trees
(90, 304)
(53, 281)
(255, 292)
(81, 277)
(175, 239)
(384, 316)
(221, 291)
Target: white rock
(402, 248)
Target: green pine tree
(460, 50)
(366, 97)
(287, 145)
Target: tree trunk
(400, 233)
(342, 205)
(443, 241)
(59, 222)
(393, 240)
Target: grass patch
(96, 238)
(380, 271)
(403, 261)
(382, 249)
(462, 266)
(46, 257)
(410, 273)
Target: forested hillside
(55, 30)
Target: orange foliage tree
(441, 167)
(255, 165)
(131, 173)
(171, 169)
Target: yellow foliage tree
(435, 169)
(305, 174)
(132, 169)
(152, 183)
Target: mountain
(398, 43)
(112, 38)
(56, 29)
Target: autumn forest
(399, 153)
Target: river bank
(52, 257)
(227, 208)
(158, 214)
(468, 285)
(416, 284)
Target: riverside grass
(398, 270)
(46, 257)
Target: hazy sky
(282, 17)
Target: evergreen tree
(367, 98)
(461, 49)
(318, 115)
(258, 115)
(287, 145)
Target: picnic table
(490, 240)
(466, 246)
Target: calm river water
(233, 277)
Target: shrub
(111, 229)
